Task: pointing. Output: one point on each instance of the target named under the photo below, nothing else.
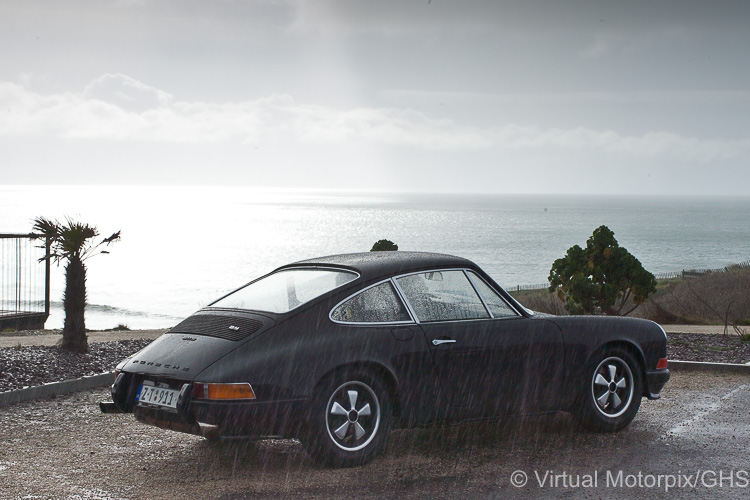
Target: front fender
(585, 336)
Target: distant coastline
(183, 247)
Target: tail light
(663, 363)
(223, 391)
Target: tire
(349, 420)
(613, 391)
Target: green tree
(384, 246)
(73, 242)
(602, 277)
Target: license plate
(157, 396)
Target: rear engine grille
(219, 326)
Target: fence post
(47, 246)
(19, 275)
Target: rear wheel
(614, 386)
(349, 420)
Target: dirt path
(48, 337)
(714, 329)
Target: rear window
(285, 290)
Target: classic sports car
(335, 351)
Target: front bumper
(655, 381)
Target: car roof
(373, 265)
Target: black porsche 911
(335, 351)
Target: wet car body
(496, 359)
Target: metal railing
(24, 281)
(522, 288)
(684, 274)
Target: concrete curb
(56, 388)
(708, 367)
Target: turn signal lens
(117, 374)
(662, 364)
(223, 391)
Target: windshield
(285, 290)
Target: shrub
(384, 246)
(603, 277)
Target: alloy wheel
(612, 387)
(352, 416)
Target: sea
(183, 247)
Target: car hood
(196, 343)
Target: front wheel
(349, 420)
(613, 390)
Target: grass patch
(118, 328)
(679, 342)
(720, 349)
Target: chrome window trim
(505, 318)
(518, 313)
(413, 315)
(398, 295)
(329, 268)
(476, 290)
(401, 294)
(463, 270)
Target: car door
(488, 357)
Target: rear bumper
(251, 419)
(228, 419)
(210, 418)
(167, 419)
(655, 381)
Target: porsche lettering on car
(336, 351)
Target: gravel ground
(707, 347)
(65, 448)
(36, 365)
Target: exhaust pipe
(209, 431)
(109, 407)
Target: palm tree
(72, 241)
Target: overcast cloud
(546, 96)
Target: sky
(572, 97)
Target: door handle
(443, 341)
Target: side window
(496, 304)
(442, 296)
(378, 304)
